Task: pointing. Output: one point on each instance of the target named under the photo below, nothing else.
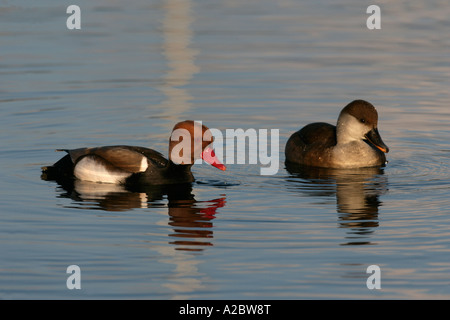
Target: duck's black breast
(160, 171)
(311, 145)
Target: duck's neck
(178, 167)
(180, 171)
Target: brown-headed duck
(123, 164)
(353, 143)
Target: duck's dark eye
(362, 120)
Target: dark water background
(135, 69)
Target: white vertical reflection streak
(186, 277)
(180, 57)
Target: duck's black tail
(63, 169)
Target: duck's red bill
(210, 157)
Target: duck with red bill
(210, 157)
(130, 165)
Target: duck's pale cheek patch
(90, 169)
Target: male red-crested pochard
(353, 143)
(123, 164)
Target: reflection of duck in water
(132, 165)
(357, 195)
(191, 219)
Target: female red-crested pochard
(353, 143)
(122, 164)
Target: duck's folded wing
(319, 133)
(126, 158)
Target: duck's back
(128, 158)
(311, 145)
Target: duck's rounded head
(191, 140)
(359, 121)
